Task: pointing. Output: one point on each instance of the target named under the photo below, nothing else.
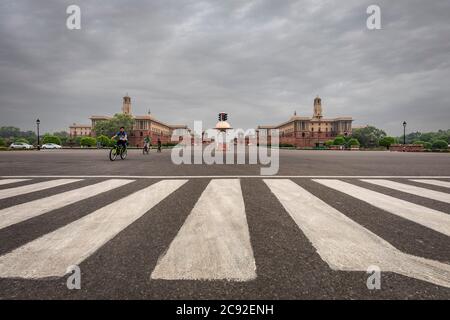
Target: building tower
(126, 107)
(317, 108)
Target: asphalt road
(96, 162)
(296, 255)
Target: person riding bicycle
(122, 136)
(159, 144)
(147, 143)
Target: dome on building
(222, 125)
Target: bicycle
(118, 150)
(146, 150)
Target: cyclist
(159, 144)
(123, 138)
(147, 143)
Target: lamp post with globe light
(404, 132)
(38, 122)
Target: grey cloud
(257, 60)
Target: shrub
(2, 142)
(169, 144)
(286, 145)
(426, 145)
(439, 144)
(329, 143)
(77, 140)
(51, 139)
(104, 141)
(88, 142)
(387, 141)
(21, 140)
(353, 142)
(339, 141)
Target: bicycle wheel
(113, 154)
(123, 154)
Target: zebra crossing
(214, 242)
(433, 219)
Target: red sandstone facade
(144, 126)
(406, 147)
(311, 132)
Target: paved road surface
(96, 162)
(231, 238)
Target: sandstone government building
(144, 125)
(311, 132)
(298, 131)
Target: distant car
(21, 145)
(51, 146)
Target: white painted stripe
(430, 218)
(9, 181)
(214, 241)
(231, 177)
(25, 211)
(51, 254)
(17, 191)
(438, 183)
(407, 188)
(345, 245)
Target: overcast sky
(257, 60)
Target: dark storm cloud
(257, 60)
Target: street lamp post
(404, 132)
(38, 122)
(318, 135)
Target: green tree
(353, 142)
(329, 143)
(63, 136)
(104, 141)
(13, 133)
(2, 142)
(21, 140)
(428, 136)
(440, 144)
(88, 142)
(411, 137)
(77, 140)
(339, 141)
(426, 145)
(51, 139)
(111, 126)
(9, 132)
(387, 141)
(368, 136)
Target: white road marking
(214, 241)
(407, 188)
(8, 181)
(430, 218)
(12, 192)
(51, 254)
(345, 245)
(438, 183)
(25, 211)
(231, 177)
